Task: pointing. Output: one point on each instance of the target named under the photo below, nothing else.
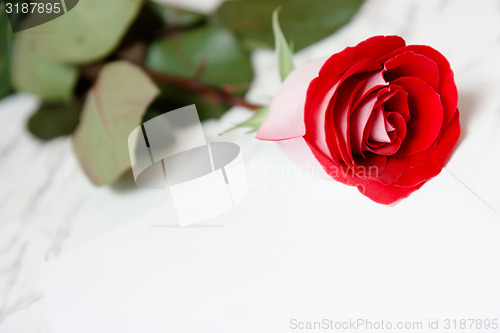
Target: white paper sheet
(300, 248)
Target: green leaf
(54, 119)
(224, 60)
(305, 22)
(177, 17)
(114, 107)
(285, 54)
(36, 74)
(253, 122)
(211, 55)
(5, 46)
(90, 31)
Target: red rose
(381, 115)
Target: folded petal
(394, 169)
(373, 189)
(359, 121)
(414, 65)
(447, 87)
(286, 114)
(372, 48)
(436, 159)
(426, 113)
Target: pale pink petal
(378, 132)
(359, 121)
(319, 134)
(286, 113)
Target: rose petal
(399, 124)
(385, 194)
(286, 113)
(426, 115)
(370, 82)
(316, 123)
(372, 48)
(437, 158)
(359, 120)
(388, 126)
(373, 81)
(386, 149)
(318, 114)
(370, 166)
(378, 132)
(447, 87)
(421, 157)
(398, 102)
(337, 123)
(339, 63)
(414, 65)
(373, 189)
(336, 65)
(397, 136)
(394, 169)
